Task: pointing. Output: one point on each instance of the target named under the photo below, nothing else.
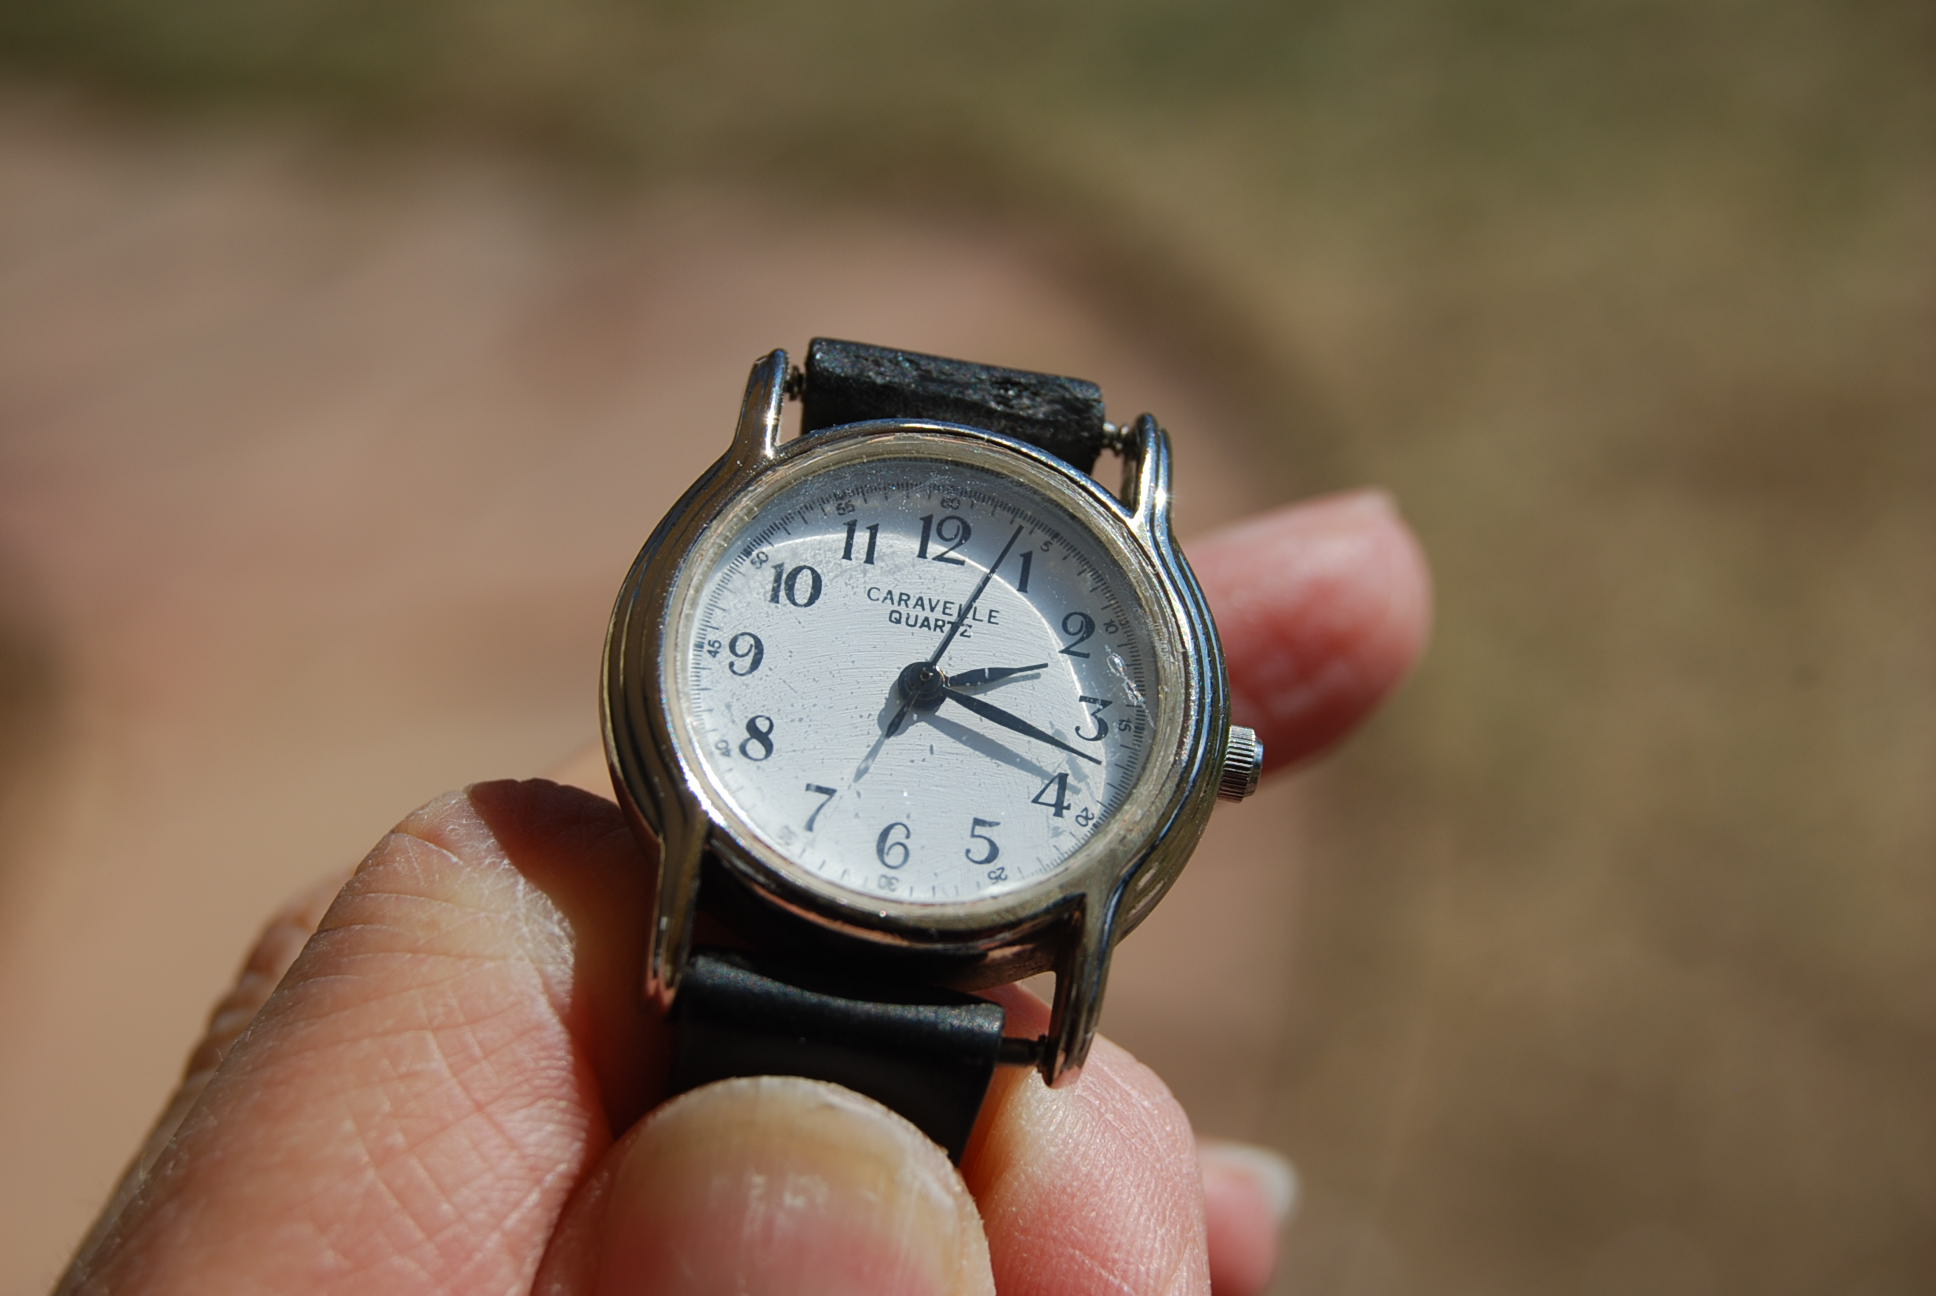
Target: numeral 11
(873, 538)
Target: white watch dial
(915, 678)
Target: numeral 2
(1079, 626)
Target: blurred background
(348, 351)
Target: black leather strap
(927, 1053)
(849, 382)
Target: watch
(913, 706)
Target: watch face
(918, 670)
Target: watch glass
(917, 669)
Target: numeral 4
(1059, 801)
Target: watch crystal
(914, 677)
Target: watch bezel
(746, 847)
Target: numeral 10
(801, 585)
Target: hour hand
(991, 674)
(1009, 720)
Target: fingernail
(1373, 501)
(1262, 1171)
(781, 1185)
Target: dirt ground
(1603, 962)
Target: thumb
(771, 1185)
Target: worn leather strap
(851, 382)
(927, 1053)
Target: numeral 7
(826, 794)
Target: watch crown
(1243, 761)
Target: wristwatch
(912, 706)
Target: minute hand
(1009, 720)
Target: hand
(967, 679)
(961, 618)
(954, 628)
(992, 675)
(442, 1088)
(1010, 721)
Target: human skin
(438, 1076)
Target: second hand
(961, 619)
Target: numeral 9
(747, 648)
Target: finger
(785, 1185)
(1322, 607)
(276, 947)
(443, 1060)
(1248, 1195)
(268, 959)
(1092, 1188)
(771, 1184)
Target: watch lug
(682, 845)
(1146, 476)
(1079, 980)
(757, 436)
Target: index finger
(1323, 607)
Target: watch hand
(995, 747)
(892, 727)
(991, 675)
(867, 761)
(1009, 720)
(969, 606)
(961, 618)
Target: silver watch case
(1071, 921)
